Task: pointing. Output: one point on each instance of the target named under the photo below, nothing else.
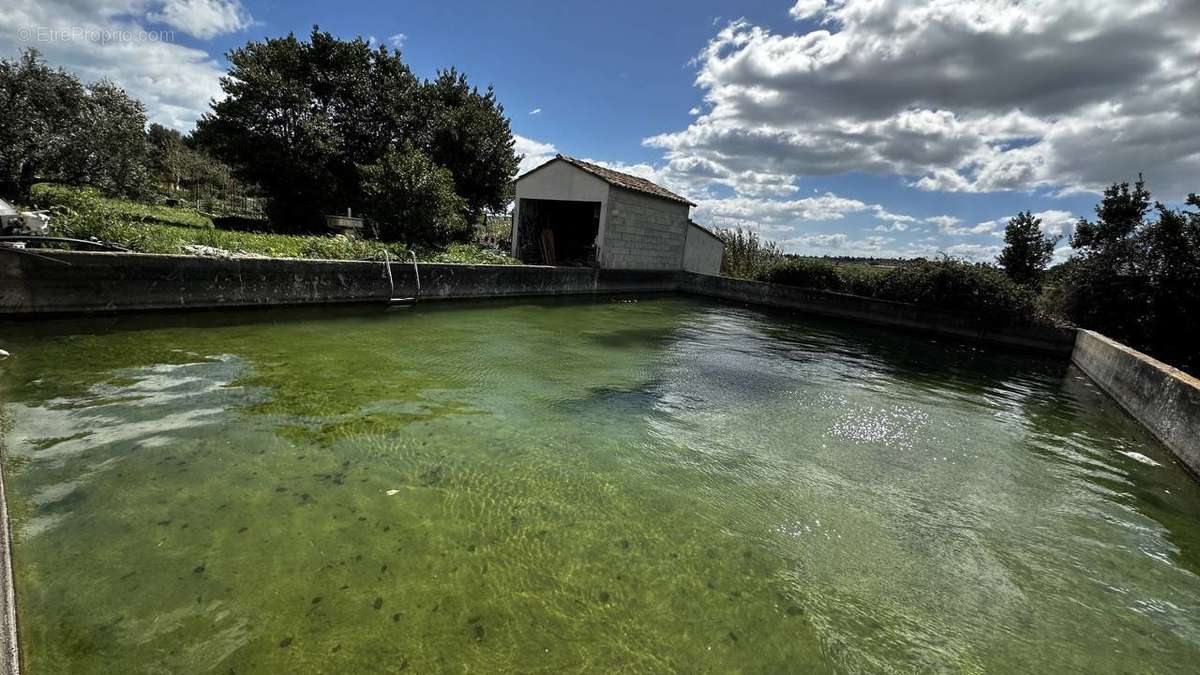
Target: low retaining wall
(882, 312)
(56, 282)
(71, 282)
(1165, 400)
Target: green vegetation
(55, 127)
(746, 255)
(84, 213)
(1135, 276)
(50, 195)
(1027, 251)
(306, 128)
(302, 118)
(411, 199)
(981, 291)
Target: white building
(571, 212)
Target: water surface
(662, 485)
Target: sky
(890, 128)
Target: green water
(666, 485)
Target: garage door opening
(556, 232)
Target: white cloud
(694, 111)
(535, 152)
(985, 227)
(778, 216)
(1057, 222)
(535, 111)
(805, 9)
(397, 40)
(203, 18)
(967, 96)
(175, 82)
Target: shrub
(804, 272)
(981, 291)
(747, 256)
(412, 200)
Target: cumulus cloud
(203, 18)
(534, 152)
(806, 9)
(968, 96)
(397, 40)
(175, 82)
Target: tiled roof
(619, 179)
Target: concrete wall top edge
(1148, 360)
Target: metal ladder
(387, 265)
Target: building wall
(642, 232)
(559, 180)
(703, 252)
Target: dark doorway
(556, 232)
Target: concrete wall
(559, 180)
(70, 282)
(703, 251)
(643, 232)
(1164, 399)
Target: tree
(107, 147)
(470, 136)
(54, 128)
(1136, 276)
(410, 199)
(40, 105)
(300, 118)
(1027, 251)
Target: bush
(412, 200)
(804, 272)
(982, 291)
(747, 256)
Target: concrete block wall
(643, 232)
(703, 252)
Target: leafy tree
(54, 128)
(1136, 277)
(167, 159)
(410, 199)
(41, 105)
(300, 117)
(470, 136)
(107, 148)
(1027, 251)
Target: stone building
(571, 212)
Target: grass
(50, 195)
(83, 213)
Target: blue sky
(843, 127)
